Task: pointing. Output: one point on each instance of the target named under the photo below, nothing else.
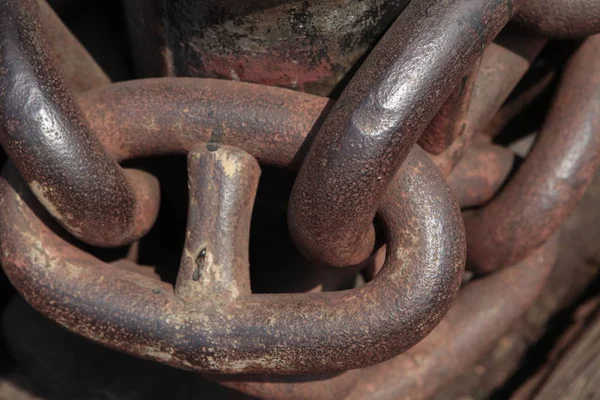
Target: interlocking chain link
(434, 78)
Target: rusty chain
(53, 147)
(378, 119)
(357, 162)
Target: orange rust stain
(267, 70)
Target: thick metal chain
(46, 136)
(434, 78)
(378, 119)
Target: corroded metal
(378, 119)
(480, 173)
(274, 125)
(76, 64)
(45, 134)
(362, 165)
(482, 312)
(450, 122)
(503, 64)
(560, 19)
(553, 178)
(349, 329)
(305, 45)
(516, 106)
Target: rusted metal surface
(378, 339)
(306, 45)
(377, 120)
(70, 285)
(483, 311)
(214, 264)
(553, 178)
(503, 65)
(269, 387)
(61, 365)
(516, 106)
(450, 121)
(274, 125)
(524, 349)
(50, 142)
(561, 19)
(282, 341)
(76, 64)
(480, 173)
(447, 160)
(579, 238)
